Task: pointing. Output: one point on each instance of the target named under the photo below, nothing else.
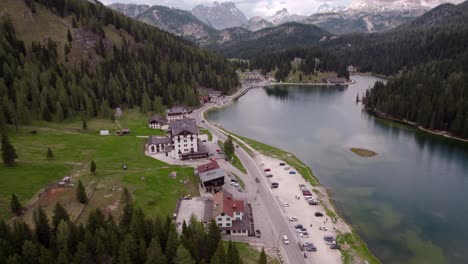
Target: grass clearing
(358, 246)
(248, 254)
(206, 132)
(235, 160)
(154, 191)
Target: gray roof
(157, 119)
(154, 140)
(176, 110)
(179, 126)
(211, 175)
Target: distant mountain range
(220, 23)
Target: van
(285, 240)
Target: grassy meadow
(73, 148)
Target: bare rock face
(282, 16)
(257, 23)
(220, 15)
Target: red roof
(224, 203)
(208, 167)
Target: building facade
(176, 113)
(156, 122)
(230, 215)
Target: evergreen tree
(81, 193)
(84, 126)
(49, 154)
(172, 244)
(60, 214)
(219, 256)
(8, 152)
(42, 227)
(229, 147)
(15, 205)
(155, 254)
(92, 167)
(69, 36)
(263, 258)
(233, 254)
(183, 256)
(213, 239)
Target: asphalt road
(291, 253)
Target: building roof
(179, 126)
(154, 140)
(207, 167)
(224, 203)
(157, 119)
(177, 110)
(211, 175)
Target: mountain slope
(68, 66)
(443, 15)
(131, 10)
(220, 15)
(285, 36)
(256, 23)
(179, 22)
(282, 16)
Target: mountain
(443, 15)
(233, 34)
(288, 35)
(282, 16)
(76, 59)
(220, 15)
(396, 5)
(256, 23)
(130, 10)
(326, 8)
(179, 22)
(345, 22)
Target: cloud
(250, 8)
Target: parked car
(292, 218)
(329, 238)
(203, 121)
(218, 150)
(307, 193)
(262, 164)
(300, 230)
(335, 246)
(313, 202)
(286, 168)
(310, 247)
(235, 184)
(298, 226)
(204, 140)
(274, 185)
(323, 228)
(269, 175)
(285, 240)
(308, 197)
(282, 164)
(302, 186)
(267, 170)
(318, 214)
(304, 235)
(292, 172)
(233, 180)
(286, 204)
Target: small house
(156, 122)
(231, 215)
(104, 132)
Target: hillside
(289, 35)
(179, 22)
(84, 59)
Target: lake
(409, 203)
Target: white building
(156, 122)
(176, 113)
(230, 215)
(182, 144)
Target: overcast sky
(249, 7)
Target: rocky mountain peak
(220, 15)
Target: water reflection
(408, 202)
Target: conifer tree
(69, 36)
(183, 256)
(84, 126)
(42, 227)
(172, 244)
(219, 256)
(232, 254)
(60, 215)
(49, 154)
(229, 147)
(8, 152)
(155, 254)
(81, 193)
(263, 258)
(15, 205)
(92, 167)
(213, 239)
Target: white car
(234, 184)
(308, 198)
(286, 204)
(292, 218)
(304, 235)
(286, 168)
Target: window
(228, 224)
(228, 219)
(238, 218)
(220, 219)
(234, 231)
(223, 214)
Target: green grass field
(248, 254)
(73, 150)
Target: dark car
(267, 170)
(307, 193)
(313, 202)
(335, 246)
(274, 185)
(318, 214)
(310, 247)
(329, 238)
(299, 226)
(269, 175)
(282, 164)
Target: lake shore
(354, 249)
(445, 134)
(312, 84)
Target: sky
(250, 8)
